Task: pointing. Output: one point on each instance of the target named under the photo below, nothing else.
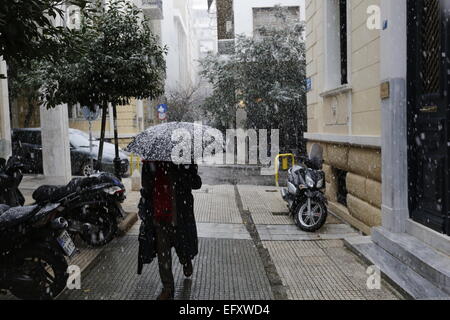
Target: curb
(127, 223)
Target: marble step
(400, 275)
(423, 259)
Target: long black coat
(185, 179)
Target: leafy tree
(266, 75)
(25, 82)
(27, 28)
(112, 58)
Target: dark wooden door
(428, 113)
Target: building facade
(344, 109)
(378, 103)
(244, 17)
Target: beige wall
(353, 110)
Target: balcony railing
(152, 9)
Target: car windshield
(78, 141)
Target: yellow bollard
(284, 164)
(131, 165)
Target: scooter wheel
(104, 229)
(310, 221)
(46, 268)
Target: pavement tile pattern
(216, 204)
(224, 270)
(292, 232)
(311, 266)
(323, 270)
(264, 204)
(211, 230)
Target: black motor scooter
(33, 246)
(10, 179)
(93, 206)
(304, 192)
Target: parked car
(30, 150)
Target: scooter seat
(49, 193)
(56, 193)
(16, 215)
(4, 208)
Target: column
(55, 144)
(5, 126)
(393, 58)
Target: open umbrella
(178, 142)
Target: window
(336, 41)
(267, 19)
(343, 39)
(341, 195)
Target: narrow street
(274, 261)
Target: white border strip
(368, 141)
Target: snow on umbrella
(179, 142)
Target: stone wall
(363, 183)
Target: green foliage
(267, 75)
(112, 57)
(27, 28)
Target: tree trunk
(30, 111)
(102, 137)
(117, 161)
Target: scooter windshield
(316, 156)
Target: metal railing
(284, 164)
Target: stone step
(405, 279)
(423, 259)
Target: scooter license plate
(66, 243)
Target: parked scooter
(304, 192)
(10, 179)
(93, 206)
(33, 246)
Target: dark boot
(166, 294)
(188, 269)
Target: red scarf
(163, 196)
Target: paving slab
(292, 232)
(265, 204)
(212, 230)
(224, 270)
(216, 204)
(323, 270)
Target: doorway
(428, 114)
